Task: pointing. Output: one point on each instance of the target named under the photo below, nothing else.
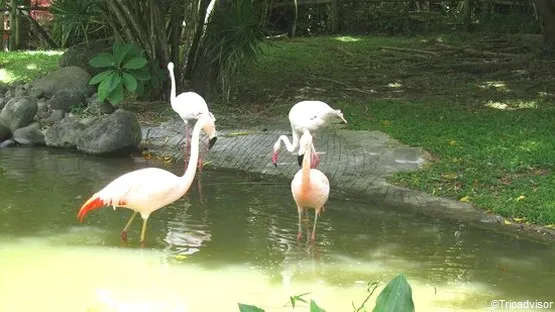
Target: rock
(9, 94)
(20, 93)
(80, 54)
(42, 106)
(56, 116)
(7, 143)
(3, 88)
(98, 108)
(30, 135)
(19, 112)
(73, 79)
(5, 132)
(66, 99)
(65, 133)
(116, 133)
(2, 102)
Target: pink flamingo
(147, 190)
(311, 116)
(310, 187)
(189, 106)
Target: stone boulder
(19, 112)
(5, 132)
(56, 116)
(2, 102)
(119, 132)
(64, 133)
(30, 135)
(7, 143)
(80, 54)
(66, 99)
(72, 79)
(96, 107)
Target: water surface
(235, 241)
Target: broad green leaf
(396, 296)
(129, 82)
(100, 76)
(141, 74)
(104, 87)
(249, 308)
(135, 63)
(134, 51)
(315, 308)
(116, 96)
(104, 59)
(120, 52)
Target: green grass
(25, 66)
(489, 130)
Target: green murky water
(235, 243)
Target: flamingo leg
(300, 233)
(314, 228)
(143, 231)
(124, 231)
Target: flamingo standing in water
(306, 115)
(147, 190)
(310, 187)
(189, 106)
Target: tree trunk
(546, 12)
(194, 50)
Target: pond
(235, 241)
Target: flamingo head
(339, 115)
(305, 144)
(210, 128)
(170, 66)
(277, 145)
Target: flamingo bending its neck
(310, 116)
(310, 187)
(189, 106)
(147, 190)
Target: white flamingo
(310, 187)
(189, 106)
(147, 190)
(311, 116)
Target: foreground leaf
(315, 308)
(396, 296)
(135, 63)
(249, 308)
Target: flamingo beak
(300, 159)
(343, 119)
(212, 142)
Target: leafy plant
(396, 296)
(233, 39)
(126, 68)
(77, 21)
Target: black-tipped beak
(212, 142)
(300, 159)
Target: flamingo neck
(306, 167)
(290, 146)
(172, 90)
(187, 179)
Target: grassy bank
(483, 109)
(25, 66)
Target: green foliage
(249, 308)
(396, 296)
(76, 21)
(25, 66)
(126, 68)
(233, 39)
